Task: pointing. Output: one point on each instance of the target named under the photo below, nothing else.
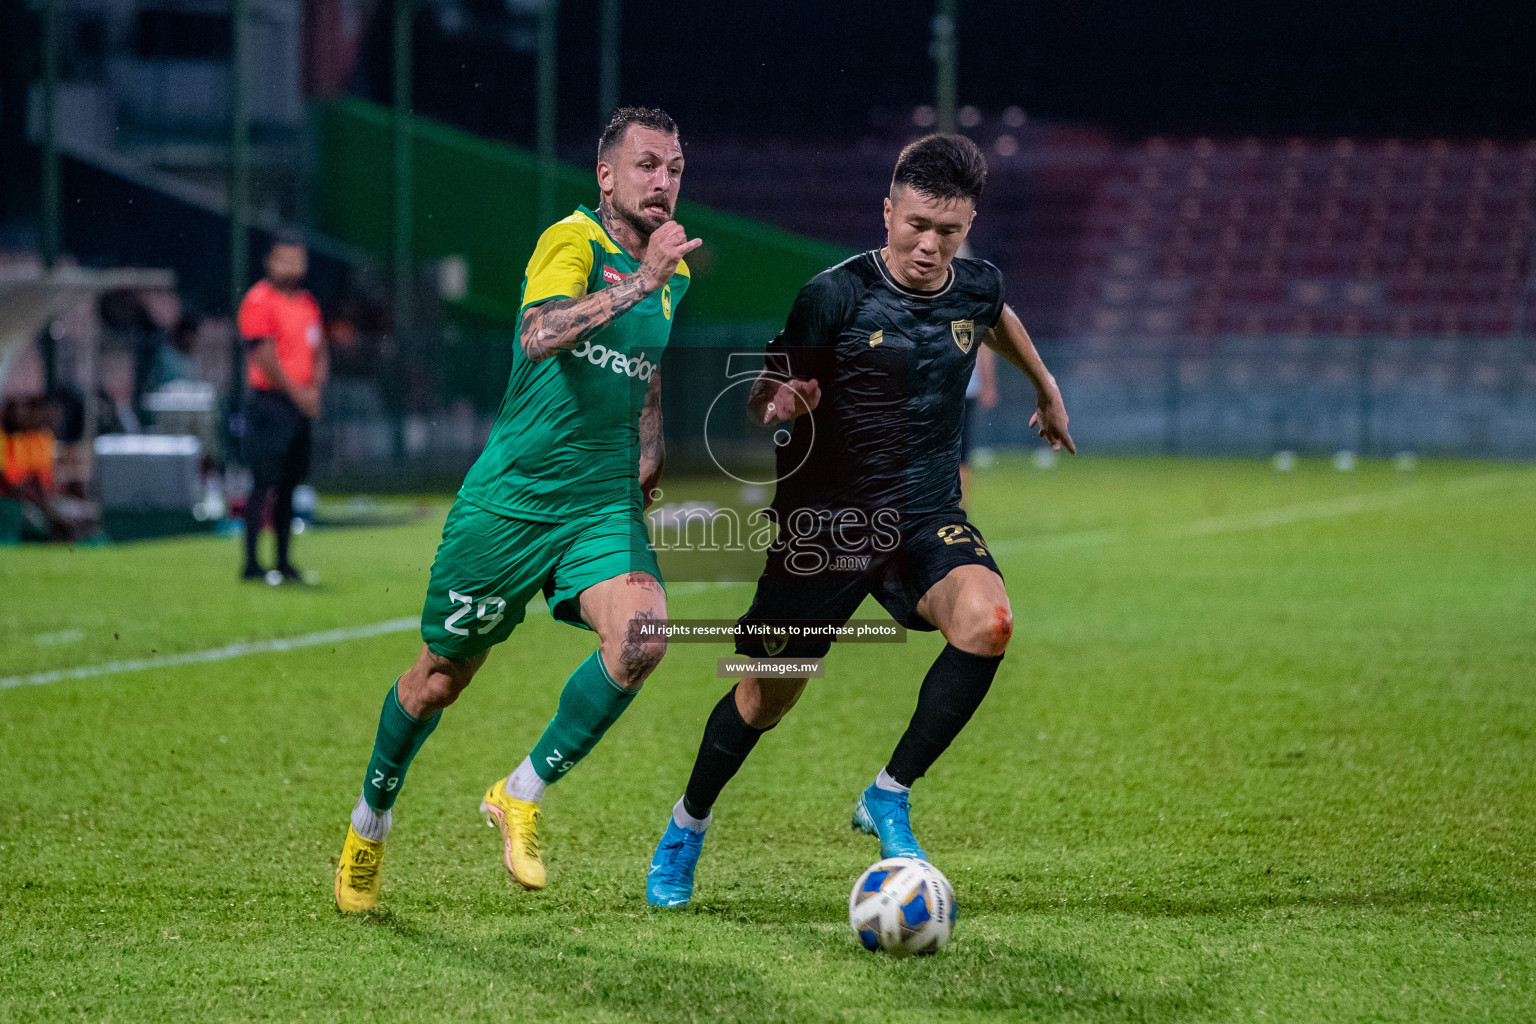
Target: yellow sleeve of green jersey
(560, 266)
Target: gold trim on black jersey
(890, 279)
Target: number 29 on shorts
(486, 614)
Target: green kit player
(554, 502)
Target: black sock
(282, 521)
(728, 739)
(951, 693)
(255, 511)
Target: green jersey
(566, 440)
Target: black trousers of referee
(276, 448)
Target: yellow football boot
(519, 824)
(357, 873)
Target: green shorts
(488, 567)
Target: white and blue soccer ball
(902, 905)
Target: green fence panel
(476, 199)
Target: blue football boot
(885, 814)
(670, 882)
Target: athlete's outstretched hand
(668, 244)
(1050, 418)
(790, 399)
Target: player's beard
(642, 222)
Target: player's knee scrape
(982, 628)
(1001, 630)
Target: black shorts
(276, 442)
(818, 580)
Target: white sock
(688, 821)
(524, 783)
(890, 785)
(369, 823)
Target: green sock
(394, 746)
(589, 704)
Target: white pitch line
(244, 649)
(1326, 508)
(1265, 518)
(1332, 508)
(241, 649)
(64, 636)
(1261, 519)
(1055, 541)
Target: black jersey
(893, 364)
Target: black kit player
(872, 367)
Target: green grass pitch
(1262, 750)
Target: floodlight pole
(404, 182)
(549, 26)
(608, 61)
(239, 198)
(239, 156)
(50, 127)
(946, 20)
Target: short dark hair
(646, 117)
(287, 237)
(942, 167)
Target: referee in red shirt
(280, 323)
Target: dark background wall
(806, 67)
(1373, 67)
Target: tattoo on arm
(653, 447)
(566, 323)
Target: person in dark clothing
(871, 368)
(280, 324)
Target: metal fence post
(51, 204)
(609, 22)
(404, 200)
(549, 28)
(947, 66)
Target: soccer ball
(903, 906)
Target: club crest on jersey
(775, 643)
(666, 301)
(964, 332)
(612, 275)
